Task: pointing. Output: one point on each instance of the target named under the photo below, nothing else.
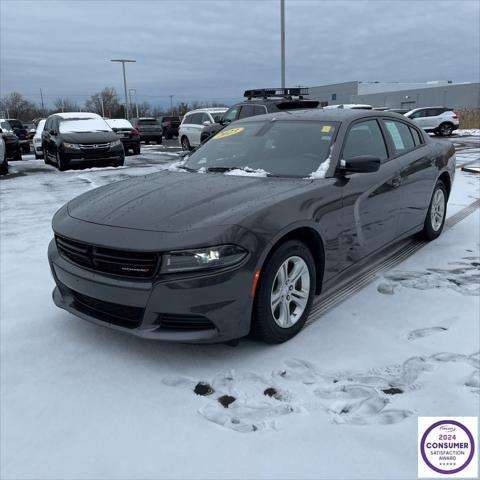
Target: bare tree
(105, 103)
(15, 105)
(65, 105)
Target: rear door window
(400, 136)
(365, 138)
(147, 121)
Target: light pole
(123, 61)
(282, 39)
(130, 90)
(171, 103)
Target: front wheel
(437, 212)
(285, 293)
(4, 167)
(61, 164)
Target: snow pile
(322, 170)
(468, 132)
(176, 167)
(247, 172)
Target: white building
(446, 93)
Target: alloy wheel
(445, 130)
(290, 292)
(437, 210)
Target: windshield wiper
(228, 169)
(188, 169)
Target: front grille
(107, 260)
(121, 315)
(185, 322)
(95, 147)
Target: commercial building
(400, 95)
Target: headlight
(203, 258)
(73, 146)
(115, 143)
(37, 140)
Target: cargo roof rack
(277, 92)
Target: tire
(25, 148)
(136, 150)
(18, 154)
(61, 165)
(276, 324)
(436, 214)
(120, 163)
(445, 129)
(185, 143)
(45, 157)
(147, 142)
(4, 167)
(159, 142)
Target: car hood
(89, 137)
(176, 201)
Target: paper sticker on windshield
(228, 133)
(326, 128)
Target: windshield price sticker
(326, 128)
(228, 133)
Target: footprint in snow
(248, 402)
(425, 332)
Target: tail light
(170, 125)
(25, 132)
(135, 132)
(455, 116)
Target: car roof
(330, 115)
(118, 122)
(78, 115)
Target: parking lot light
(123, 61)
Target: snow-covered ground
(340, 400)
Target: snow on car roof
(118, 123)
(67, 115)
(87, 124)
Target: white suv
(192, 125)
(439, 120)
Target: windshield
(40, 126)
(6, 126)
(281, 148)
(78, 125)
(16, 124)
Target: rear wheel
(136, 150)
(185, 144)
(445, 129)
(25, 148)
(437, 212)
(285, 293)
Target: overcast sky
(213, 50)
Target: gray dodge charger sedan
(240, 236)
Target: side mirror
(1, 131)
(206, 123)
(360, 164)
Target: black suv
(79, 138)
(259, 102)
(148, 128)
(170, 126)
(17, 127)
(12, 144)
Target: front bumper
(200, 308)
(82, 157)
